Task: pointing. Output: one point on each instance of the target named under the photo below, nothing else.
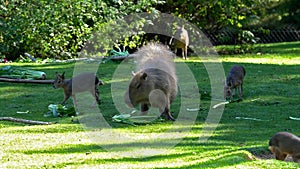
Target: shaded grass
(271, 94)
(286, 53)
(282, 50)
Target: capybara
(155, 82)
(234, 81)
(81, 83)
(180, 40)
(283, 144)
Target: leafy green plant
(246, 40)
(60, 111)
(57, 30)
(21, 73)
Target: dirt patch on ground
(266, 155)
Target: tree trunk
(25, 81)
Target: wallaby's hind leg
(96, 95)
(74, 100)
(185, 52)
(65, 99)
(240, 90)
(232, 94)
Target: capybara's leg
(167, 112)
(296, 157)
(144, 109)
(280, 156)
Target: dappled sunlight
(56, 149)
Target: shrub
(57, 29)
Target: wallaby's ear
(63, 75)
(132, 73)
(144, 76)
(170, 42)
(229, 84)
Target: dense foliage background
(57, 28)
(48, 29)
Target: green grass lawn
(271, 96)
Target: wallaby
(283, 144)
(234, 81)
(180, 40)
(81, 83)
(155, 82)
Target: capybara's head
(272, 149)
(139, 89)
(59, 81)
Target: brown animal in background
(181, 41)
(81, 83)
(283, 144)
(155, 82)
(234, 81)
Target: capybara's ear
(132, 73)
(144, 76)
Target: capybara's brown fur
(155, 82)
(234, 81)
(181, 41)
(81, 83)
(283, 144)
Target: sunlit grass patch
(271, 95)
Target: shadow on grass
(258, 151)
(67, 149)
(189, 144)
(263, 83)
(223, 160)
(193, 159)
